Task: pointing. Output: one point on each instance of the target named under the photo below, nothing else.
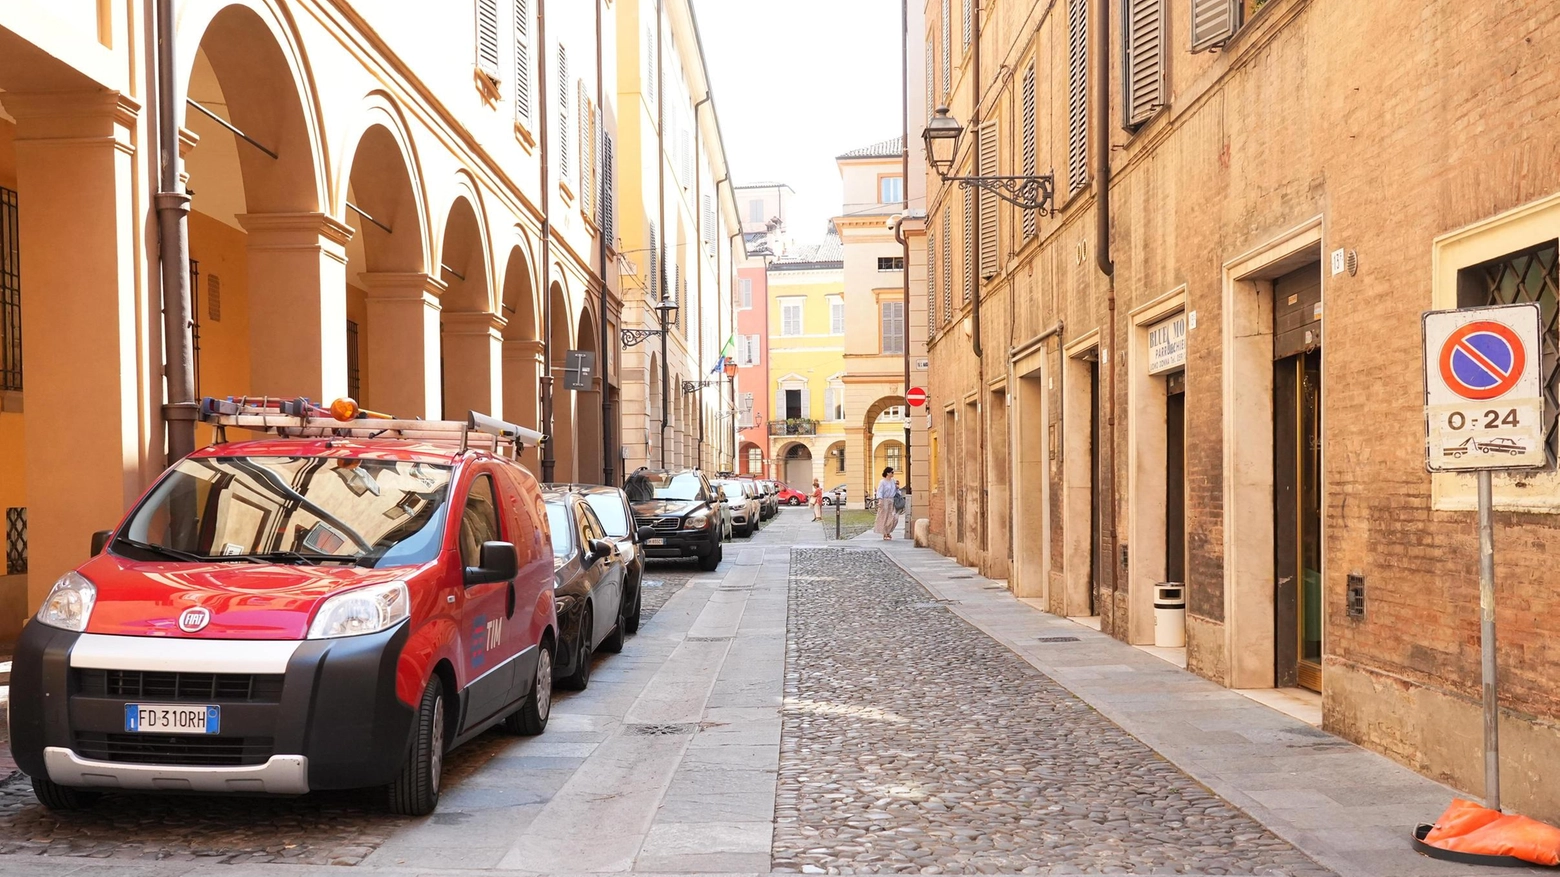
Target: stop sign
(916, 396)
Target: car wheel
(793, 502)
(614, 641)
(633, 616)
(416, 791)
(531, 718)
(709, 561)
(579, 680)
(57, 797)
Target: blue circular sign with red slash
(1482, 360)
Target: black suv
(682, 512)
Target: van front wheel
(416, 791)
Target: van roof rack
(298, 417)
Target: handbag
(899, 502)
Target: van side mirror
(497, 562)
(100, 541)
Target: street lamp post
(666, 313)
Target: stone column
(85, 379)
(522, 390)
(297, 304)
(473, 364)
(403, 344)
(859, 469)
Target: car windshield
(373, 513)
(562, 531)
(609, 508)
(734, 489)
(679, 487)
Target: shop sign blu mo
(1167, 345)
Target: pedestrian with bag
(888, 505)
(816, 500)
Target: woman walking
(816, 500)
(887, 518)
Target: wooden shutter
(707, 220)
(1213, 22)
(608, 195)
(653, 283)
(651, 74)
(931, 77)
(779, 412)
(1145, 60)
(947, 49)
(564, 121)
(806, 402)
(585, 119)
(947, 265)
(1027, 99)
(968, 285)
(487, 37)
(828, 403)
(967, 31)
(931, 281)
(1077, 94)
(523, 104)
(987, 217)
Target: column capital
(474, 323)
(522, 350)
(286, 231)
(402, 286)
(83, 118)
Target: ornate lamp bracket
(1025, 192)
(631, 337)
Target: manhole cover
(661, 730)
(1058, 639)
(707, 639)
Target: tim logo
(194, 619)
(495, 633)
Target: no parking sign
(1484, 401)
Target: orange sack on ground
(1467, 827)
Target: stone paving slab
(1346, 807)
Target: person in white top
(887, 517)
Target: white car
(742, 499)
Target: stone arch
(392, 301)
(829, 472)
(264, 250)
(863, 467)
(471, 330)
(522, 344)
(795, 465)
(560, 336)
(745, 459)
(587, 406)
(653, 396)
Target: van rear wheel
(531, 718)
(57, 797)
(416, 791)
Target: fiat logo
(194, 619)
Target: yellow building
(807, 366)
(420, 210)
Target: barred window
(1525, 276)
(10, 294)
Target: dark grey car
(588, 587)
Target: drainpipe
(1102, 257)
(660, 221)
(904, 242)
(607, 469)
(173, 250)
(698, 264)
(549, 461)
(980, 360)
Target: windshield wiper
(164, 550)
(288, 557)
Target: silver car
(742, 499)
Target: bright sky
(798, 82)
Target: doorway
(1175, 477)
(1099, 553)
(793, 405)
(1297, 479)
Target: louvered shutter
(988, 201)
(947, 264)
(653, 279)
(587, 147)
(968, 29)
(608, 193)
(487, 37)
(931, 281)
(806, 402)
(931, 78)
(1027, 99)
(969, 247)
(1213, 22)
(523, 62)
(828, 403)
(707, 223)
(947, 48)
(564, 122)
(780, 411)
(651, 74)
(1077, 94)
(1145, 79)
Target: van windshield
(373, 513)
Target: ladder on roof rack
(300, 418)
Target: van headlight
(69, 604)
(365, 610)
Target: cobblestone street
(808, 707)
(914, 743)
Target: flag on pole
(725, 354)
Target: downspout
(549, 462)
(607, 469)
(980, 361)
(173, 251)
(698, 265)
(660, 221)
(904, 242)
(1102, 257)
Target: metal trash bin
(1170, 615)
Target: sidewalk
(1348, 808)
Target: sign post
(1484, 410)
